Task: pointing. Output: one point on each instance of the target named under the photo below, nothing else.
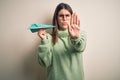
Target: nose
(64, 17)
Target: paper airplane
(36, 27)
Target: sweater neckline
(63, 33)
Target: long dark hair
(55, 20)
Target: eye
(61, 15)
(67, 15)
(64, 15)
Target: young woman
(61, 52)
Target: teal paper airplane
(36, 27)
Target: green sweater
(63, 61)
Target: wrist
(44, 41)
(74, 38)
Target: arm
(77, 39)
(45, 51)
(79, 44)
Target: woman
(61, 52)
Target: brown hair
(55, 20)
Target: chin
(63, 27)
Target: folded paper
(36, 27)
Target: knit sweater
(63, 60)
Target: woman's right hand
(42, 34)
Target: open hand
(74, 27)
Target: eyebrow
(64, 15)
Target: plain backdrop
(100, 19)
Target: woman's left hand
(74, 27)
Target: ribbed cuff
(44, 41)
(74, 41)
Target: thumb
(69, 28)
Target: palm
(74, 27)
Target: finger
(74, 18)
(69, 28)
(78, 22)
(71, 21)
(77, 19)
(41, 31)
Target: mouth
(64, 23)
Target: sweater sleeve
(80, 43)
(45, 52)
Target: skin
(64, 18)
(65, 21)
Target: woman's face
(64, 17)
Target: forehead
(64, 11)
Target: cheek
(69, 22)
(59, 22)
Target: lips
(64, 23)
